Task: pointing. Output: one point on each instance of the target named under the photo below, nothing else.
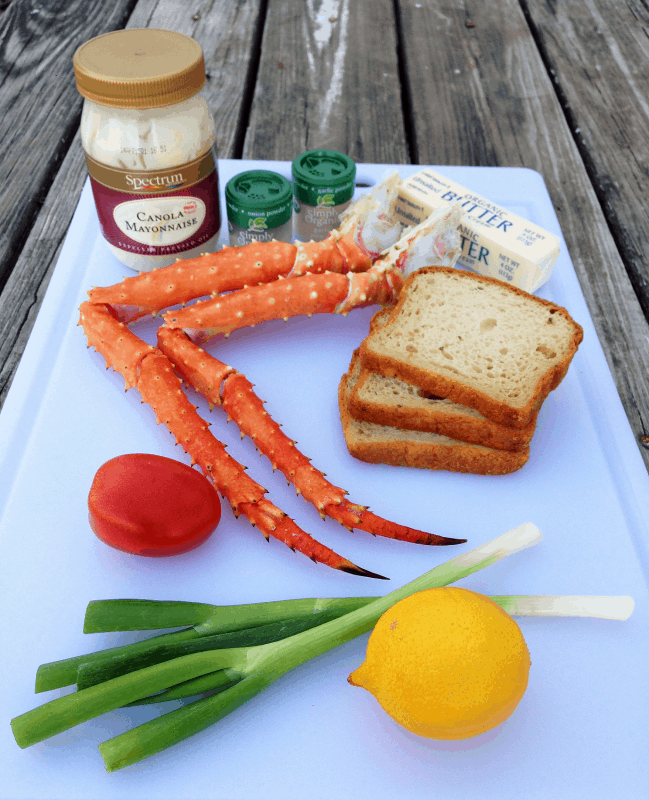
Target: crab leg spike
(243, 405)
(269, 518)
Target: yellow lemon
(446, 663)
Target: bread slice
(391, 401)
(383, 444)
(477, 341)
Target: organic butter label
(495, 242)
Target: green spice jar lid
(258, 197)
(323, 177)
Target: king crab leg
(328, 293)
(222, 385)
(227, 270)
(150, 371)
(434, 241)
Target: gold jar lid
(139, 68)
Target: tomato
(152, 506)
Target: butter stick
(495, 242)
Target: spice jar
(149, 141)
(323, 187)
(259, 206)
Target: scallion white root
(550, 605)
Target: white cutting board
(580, 730)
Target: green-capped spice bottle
(259, 204)
(323, 187)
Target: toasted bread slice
(383, 444)
(476, 341)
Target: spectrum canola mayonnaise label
(495, 242)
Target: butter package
(495, 242)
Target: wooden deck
(561, 87)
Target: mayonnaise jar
(149, 137)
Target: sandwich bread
(385, 444)
(475, 341)
(391, 401)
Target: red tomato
(152, 506)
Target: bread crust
(447, 422)
(519, 417)
(412, 449)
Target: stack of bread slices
(453, 376)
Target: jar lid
(324, 174)
(139, 68)
(324, 168)
(259, 193)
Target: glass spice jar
(323, 187)
(259, 205)
(149, 140)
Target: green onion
(618, 608)
(56, 674)
(72, 709)
(131, 615)
(239, 673)
(106, 616)
(90, 673)
(269, 662)
(258, 667)
(213, 681)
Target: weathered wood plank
(328, 77)
(495, 106)
(39, 104)
(25, 289)
(227, 55)
(227, 32)
(598, 54)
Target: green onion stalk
(236, 652)
(213, 627)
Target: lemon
(446, 663)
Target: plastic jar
(323, 187)
(149, 140)
(259, 205)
